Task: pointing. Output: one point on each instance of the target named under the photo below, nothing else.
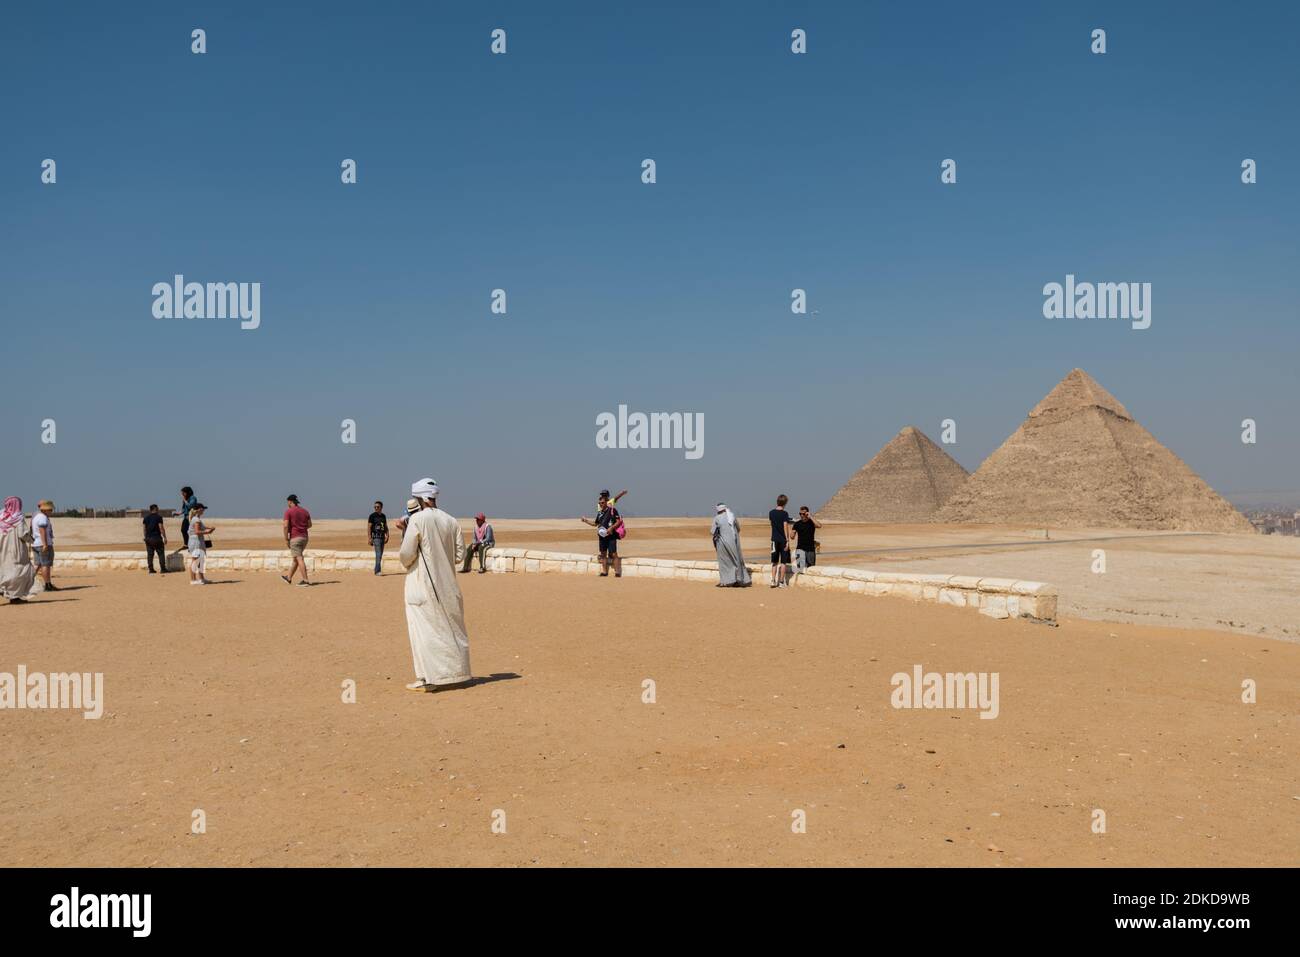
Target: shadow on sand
(475, 682)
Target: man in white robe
(432, 548)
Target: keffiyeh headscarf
(726, 514)
(13, 514)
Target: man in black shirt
(781, 529)
(155, 538)
(805, 555)
(606, 523)
(377, 533)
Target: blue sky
(522, 172)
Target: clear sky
(523, 172)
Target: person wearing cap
(297, 520)
(606, 523)
(43, 542)
(432, 547)
(483, 540)
(377, 532)
(198, 548)
(412, 506)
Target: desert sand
(1242, 583)
(228, 699)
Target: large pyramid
(1081, 460)
(906, 482)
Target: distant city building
(111, 513)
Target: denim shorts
(43, 557)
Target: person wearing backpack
(607, 523)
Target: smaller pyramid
(907, 481)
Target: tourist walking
(297, 521)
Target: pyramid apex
(1078, 391)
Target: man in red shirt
(296, 522)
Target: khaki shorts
(296, 546)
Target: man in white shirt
(43, 542)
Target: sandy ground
(1249, 584)
(1242, 583)
(228, 699)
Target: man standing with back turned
(435, 615)
(781, 531)
(155, 539)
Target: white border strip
(995, 597)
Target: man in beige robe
(432, 548)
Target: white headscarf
(425, 488)
(726, 514)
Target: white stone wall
(995, 597)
